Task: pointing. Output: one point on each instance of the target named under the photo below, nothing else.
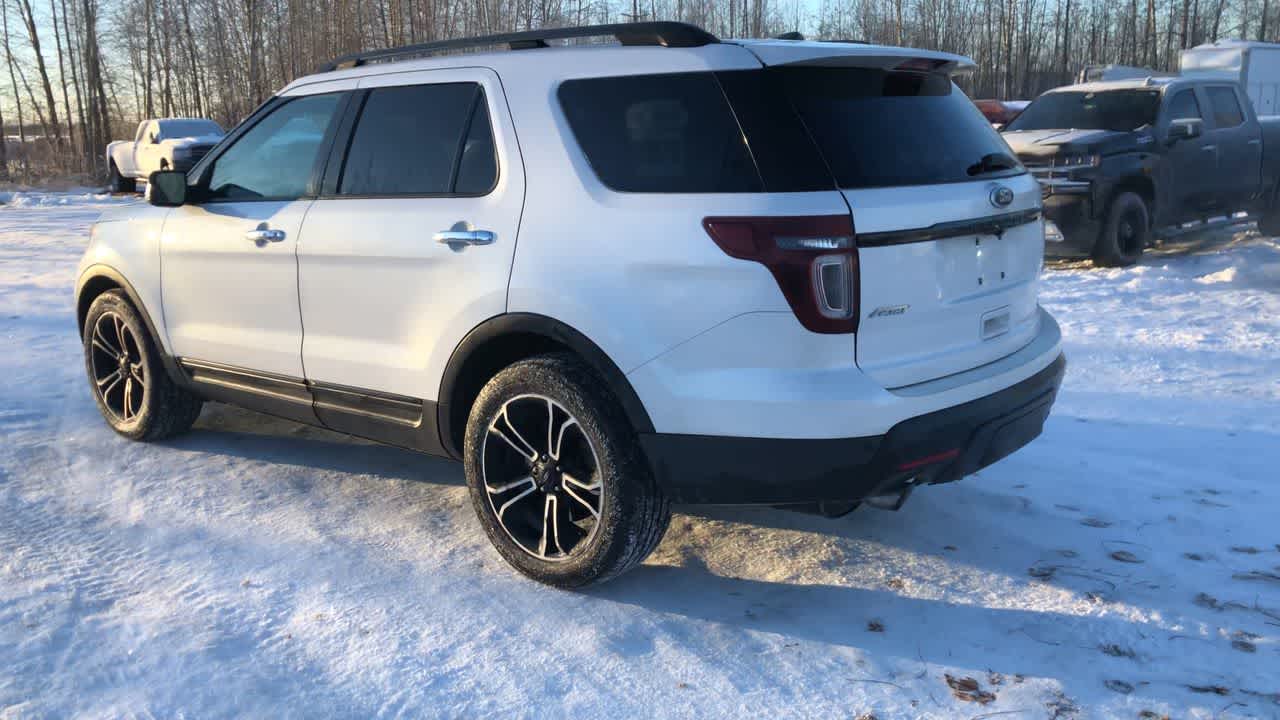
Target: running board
(1221, 221)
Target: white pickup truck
(160, 144)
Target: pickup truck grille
(1053, 178)
(199, 152)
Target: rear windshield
(783, 129)
(880, 128)
(188, 128)
(1119, 110)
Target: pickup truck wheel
(1124, 234)
(120, 183)
(133, 392)
(557, 477)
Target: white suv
(606, 278)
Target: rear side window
(1225, 106)
(880, 128)
(1184, 106)
(660, 134)
(421, 140)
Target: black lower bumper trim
(1074, 216)
(941, 446)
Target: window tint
(1119, 110)
(1184, 106)
(275, 158)
(408, 139)
(188, 128)
(880, 128)
(660, 133)
(784, 153)
(1225, 106)
(478, 170)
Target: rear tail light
(813, 259)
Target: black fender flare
(541, 326)
(99, 274)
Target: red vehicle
(1001, 112)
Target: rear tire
(127, 377)
(1124, 233)
(557, 476)
(120, 183)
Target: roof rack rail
(664, 34)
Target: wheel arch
(1143, 187)
(504, 339)
(98, 279)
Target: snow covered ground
(1126, 564)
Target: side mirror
(1185, 129)
(167, 188)
(154, 138)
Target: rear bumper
(937, 447)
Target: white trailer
(1255, 65)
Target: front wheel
(557, 477)
(1124, 233)
(135, 395)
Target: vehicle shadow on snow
(231, 431)
(1008, 640)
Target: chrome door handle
(458, 239)
(262, 237)
(1209, 148)
(1255, 141)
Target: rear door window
(882, 128)
(421, 140)
(660, 134)
(1225, 106)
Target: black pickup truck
(1123, 162)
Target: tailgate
(949, 284)
(947, 221)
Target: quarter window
(660, 134)
(421, 140)
(1225, 106)
(1184, 106)
(276, 158)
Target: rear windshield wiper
(992, 162)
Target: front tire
(557, 477)
(1124, 233)
(120, 183)
(133, 391)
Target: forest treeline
(79, 73)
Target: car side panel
(634, 272)
(130, 248)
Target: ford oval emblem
(1001, 196)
